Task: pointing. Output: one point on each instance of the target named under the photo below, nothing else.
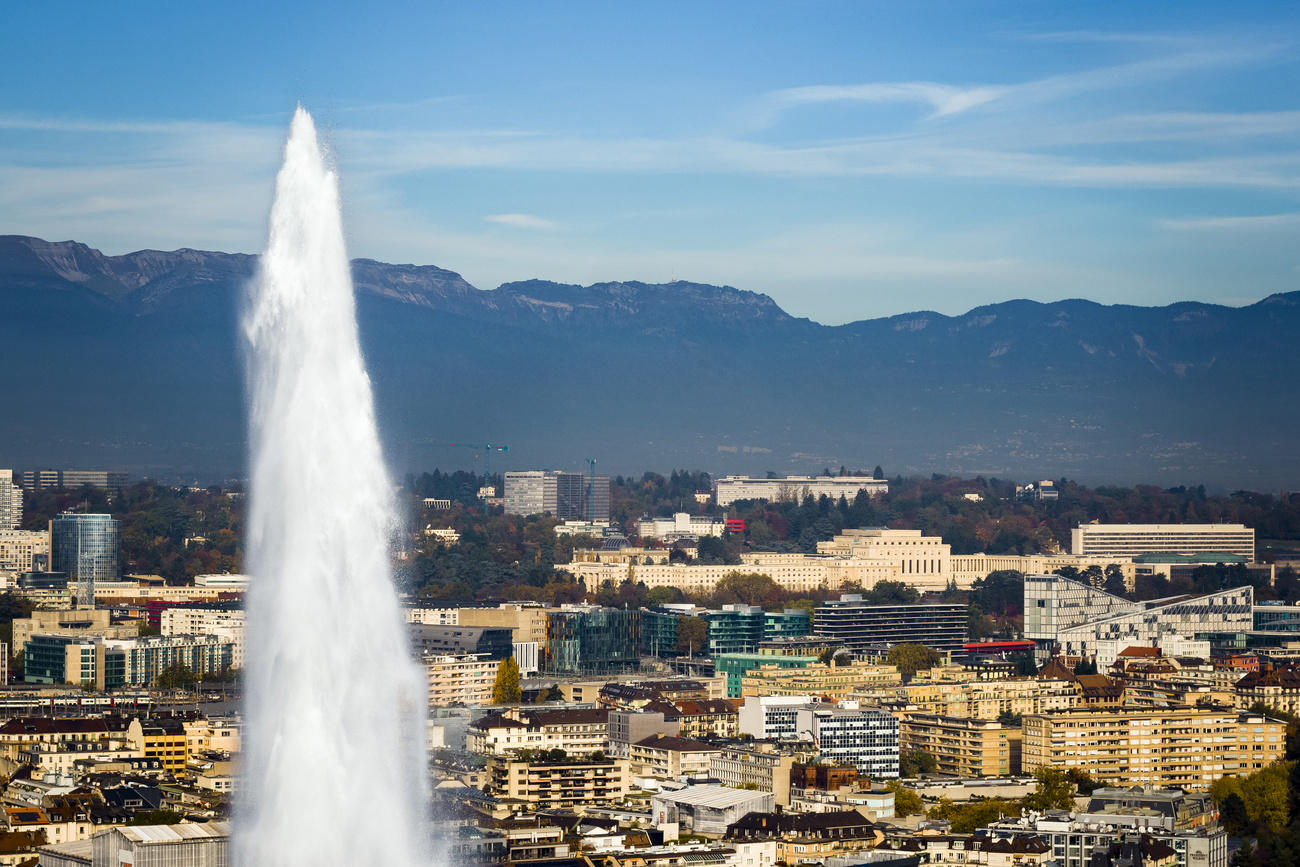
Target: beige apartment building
(667, 757)
(835, 681)
(1188, 749)
(18, 548)
(962, 746)
(565, 784)
(460, 680)
(577, 731)
(978, 699)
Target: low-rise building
(755, 765)
(828, 679)
(668, 757)
(802, 838)
(578, 732)
(707, 810)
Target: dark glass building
(858, 626)
(588, 639)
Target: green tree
(1025, 665)
(506, 690)
(1233, 815)
(156, 817)
(176, 676)
(911, 658)
(965, 818)
(747, 589)
(692, 636)
(551, 693)
(913, 763)
(906, 802)
(1054, 791)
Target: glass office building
(85, 547)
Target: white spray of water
(334, 765)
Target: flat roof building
(729, 489)
(1129, 540)
(853, 623)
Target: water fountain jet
(334, 766)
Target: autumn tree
(692, 636)
(506, 690)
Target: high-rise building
(563, 495)
(1129, 540)
(85, 547)
(850, 622)
(11, 502)
(24, 550)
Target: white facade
(925, 557)
(526, 655)
(773, 716)
(11, 502)
(1053, 603)
(863, 737)
(1225, 611)
(680, 526)
(434, 616)
(227, 625)
(729, 489)
(968, 568)
(1129, 540)
(234, 582)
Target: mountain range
(133, 362)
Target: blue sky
(851, 160)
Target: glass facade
(592, 640)
(85, 548)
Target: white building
(707, 809)
(773, 716)
(227, 625)
(1128, 540)
(231, 581)
(729, 489)
(866, 738)
(11, 502)
(680, 526)
(434, 616)
(924, 557)
(1077, 620)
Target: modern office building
(1129, 540)
(35, 480)
(852, 623)
(773, 717)
(729, 489)
(11, 502)
(736, 665)
(562, 495)
(86, 548)
(1187, 748)
(491, 642)
(591, 639)
(866, 738)
(1096, 634)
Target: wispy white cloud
(521, 221)
(1243, 223)
(943, 99)
(1104, 36)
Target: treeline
(155, 522)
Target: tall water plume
(334, 764)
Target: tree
(1085, 666)
(156, 817)
(692, 636)
(747, 589)
(911, 658)
(1025, 665)
(913, 763)
(176, 676)
(965, 818)
(551, 693)
(1233, 815)
(892, 593)
(1054, 791)
(1114, 584)
(906, 802)
(506, 689)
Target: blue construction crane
(487, 449)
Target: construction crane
(591, 490)
(487, 449)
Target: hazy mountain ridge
(132, 360)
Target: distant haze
(130, 362)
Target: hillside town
(677, 686)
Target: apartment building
(1186, 748)
(828, 679)
(226, 624)
(1278, 688)
(667, 757)
(459, 680)
(1129, 540)
(759, 766)
(11, 504)
(557, 784)
(23, 550)
(577, 731)
(963, 746)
